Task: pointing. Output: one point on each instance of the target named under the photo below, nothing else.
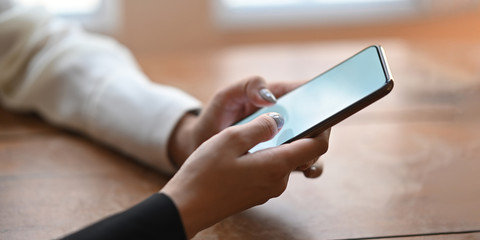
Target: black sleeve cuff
(156, 217)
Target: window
(271, 3)
(95, 15)
(234, 14)
(65, 8)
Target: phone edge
(356, 107)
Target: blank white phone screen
(325, 95)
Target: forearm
(87, 83)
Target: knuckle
(221, 95)
(266, 127)
(253, 83)
(231, 131)
(279, 188)
(234, 134)
(255, 78)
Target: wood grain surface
(407, 167)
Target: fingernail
(278, 119)
(309, 172)
(267, 95)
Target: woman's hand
(221, 178)
(227, 107)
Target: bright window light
(248, 14)
(65, 7)
(259, 3)
(274, 3)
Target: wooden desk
(408, 165)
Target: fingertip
(268, 125)
(267, 95)
(314, 171)
(279, 120)
(257, 92)
(260, 129)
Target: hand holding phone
(330, 97)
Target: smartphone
(330, 97)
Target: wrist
(182, 142)
(191, 224)
(196, 211)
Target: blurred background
(408, 164)
(159, 26)
(207, 40)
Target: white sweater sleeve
(86, 83)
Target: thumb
(257, 92)
(246, 136)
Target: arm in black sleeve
(155, 218)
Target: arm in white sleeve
(86, 83)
